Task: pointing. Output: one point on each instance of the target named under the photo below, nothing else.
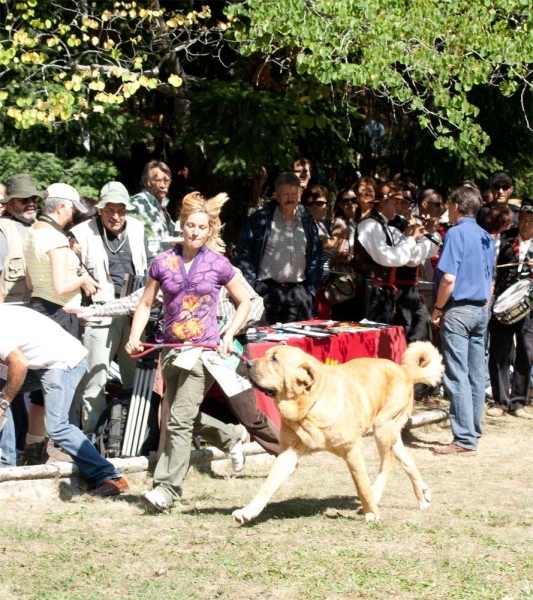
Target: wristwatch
(4, 404)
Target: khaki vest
(93, 255)
(13, 275)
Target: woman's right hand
(89, 285)
(134, 347)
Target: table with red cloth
(386, 342)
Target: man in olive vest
(21, 210)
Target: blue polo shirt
(468, 253)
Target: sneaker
(155, 501)
(238, 458)
(495, 411)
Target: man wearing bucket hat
(20, 204)
(113, 246)
(515, 259)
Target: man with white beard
(21, 211)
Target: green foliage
(84, 173)
(424, 56)
(248, 127)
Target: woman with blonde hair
(190, 276)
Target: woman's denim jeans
(463, 330)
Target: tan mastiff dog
(331, 407)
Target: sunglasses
(318, 203)
(437, 204)
(32, 199)
(348, 201)
(502, 187)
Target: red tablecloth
(388, 342)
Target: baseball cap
(64, 191)
(501, 176)
(20, 186)
(114, 192)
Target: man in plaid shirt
(151, 206)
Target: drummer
(514, 263)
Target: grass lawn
(474, 542)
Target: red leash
(154, 347)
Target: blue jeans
(463, 330)
(8, 442)
(58, 387)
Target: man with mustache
(280, 254)
(151, 206)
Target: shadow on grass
(69, 491)
(295, 508)
(411, 441)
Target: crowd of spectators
(416, 259)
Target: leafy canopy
(62, 61)
(424, 56)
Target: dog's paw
(370, 516)
(243, 515)
(424, 503)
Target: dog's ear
(306, 375)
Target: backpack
(111, 426)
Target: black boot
(35, 454)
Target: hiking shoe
(521, 414)
(35, 454)
(495, 411)
(155, 501)
(452, 449)
(238, 458)
(111, 487)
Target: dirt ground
(475, 541)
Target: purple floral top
(190, 299)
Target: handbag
(340, 287)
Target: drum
(515, 302)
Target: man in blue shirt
(463, 285)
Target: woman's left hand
(226, 344)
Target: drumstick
(524, 262)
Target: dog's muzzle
(251, 375)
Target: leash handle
(153, 347)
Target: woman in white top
(52, 268)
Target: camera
(85, 299)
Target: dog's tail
(423, 362)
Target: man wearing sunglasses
(501, 188)
(21, 211)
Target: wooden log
(426, 417)
(134, 464)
